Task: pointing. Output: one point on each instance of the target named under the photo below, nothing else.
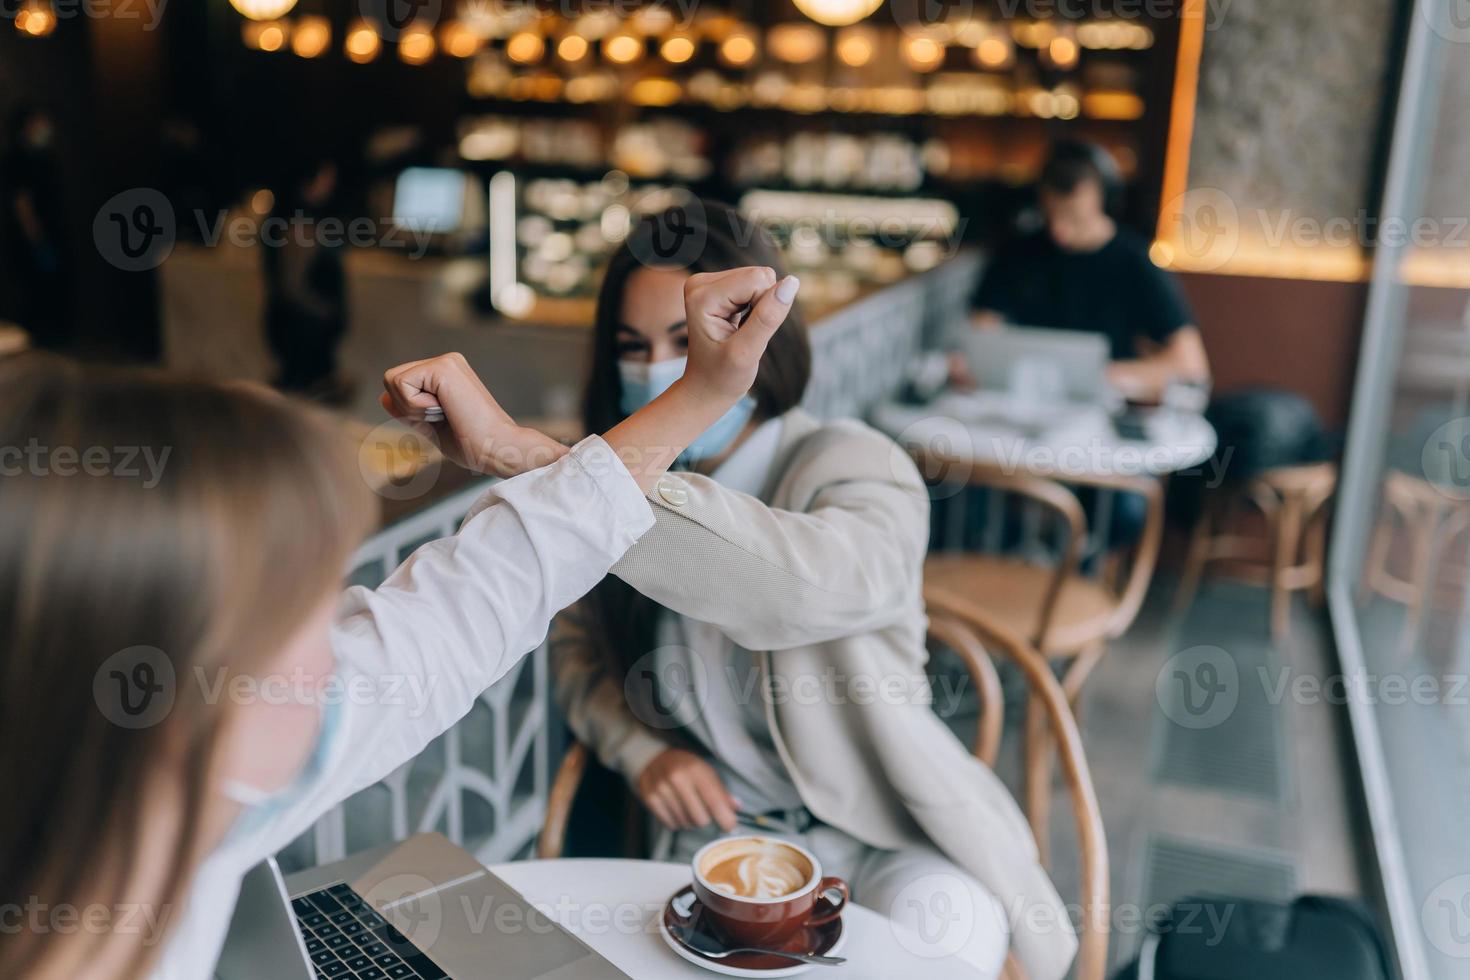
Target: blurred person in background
(136, 788)
(792, 550)
(306, 286)
(1082, 271)
(37, 270)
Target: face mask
(261, 806)
(644, 381)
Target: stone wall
(1290, 100)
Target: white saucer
(714, 966)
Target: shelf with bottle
(882, 162)
(945, 95)
(962, 66)
(650, 149)
(564, 230)
(841, 243)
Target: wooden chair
(1291, 555)
(1061, 612)
(1054, 717)
(973, 640)
(1432, 521)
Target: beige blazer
(825, 584)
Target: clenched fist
(732, 316)
(473, 430)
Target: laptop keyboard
(346, 939)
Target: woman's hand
(474, 431)
(684, 792)
(731, 317)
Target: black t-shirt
(1116, 291)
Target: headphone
(1111, 177)
(1101, 162)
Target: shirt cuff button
(673, 492)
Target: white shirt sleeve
(414, 654)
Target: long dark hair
(715, 237)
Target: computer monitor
(430, 199)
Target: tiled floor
(1260, 803)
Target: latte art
(761, 871)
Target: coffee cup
(760, 891)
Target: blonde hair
(205, 521)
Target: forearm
(462, 610)
(1143, 379)
(1147, 377)
(590, 695)
(651, 439)
(772, 579)
(596, 710)
(647, 442)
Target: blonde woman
(227, 567)
(762, 648)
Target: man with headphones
(1081, 271)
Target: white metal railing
(860, 353)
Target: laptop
(1078, 359)
(418, 908)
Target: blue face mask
(643, 382)
(262, 806)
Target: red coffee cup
(767, 920)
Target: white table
(1070, 443)
(614, 906)
(1073, 442)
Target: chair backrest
(559, 799)
(963, 642)
(972, 630)
(1055, 496)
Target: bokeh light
(362, 44)
(525, 48)
(264, 9)
(311, 37)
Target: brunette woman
(762, 648)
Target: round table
(1058, 442)
(614, 907)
